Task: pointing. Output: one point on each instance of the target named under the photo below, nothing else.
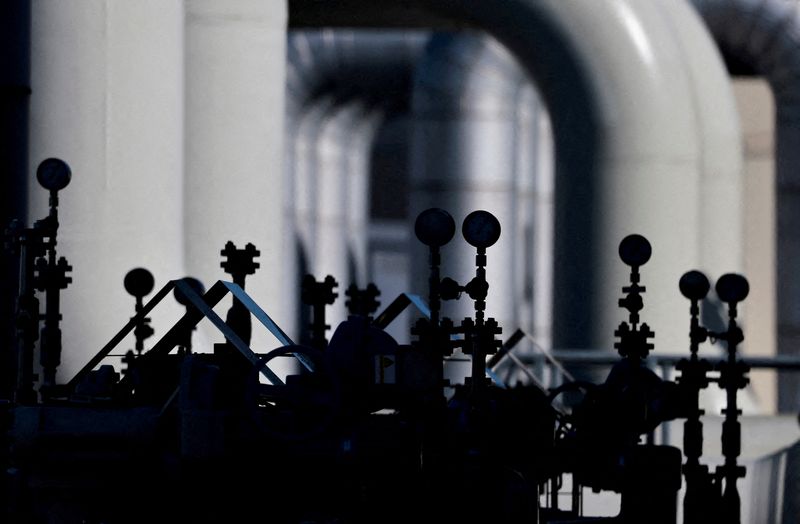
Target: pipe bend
(765, 33)
(466, 74)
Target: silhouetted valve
(53, 174)
(139, 282)
(732, 288)
(193, 283)
(635, 250)
(434, 227)
(694, 285)
(481, 229)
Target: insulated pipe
(463, 154)
(331, 241)
(625, 111)
(234, 186)
(107, 81)
(300, 205)
(535, 212)
(357, 172)
(765, 35)
(324, 69)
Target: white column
(107, 98)
(235, 80)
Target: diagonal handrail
(398, 305)
(517, 337)
(121, 334)
(201, 307)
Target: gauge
(434, 227)
(139, 282)
(481, 229)
(635, 250)
(732, 288)
(694, 285)
(53, 174)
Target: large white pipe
(765, 34)
(623, 104)
(357, 172)
(107, 80)
(535, 192)
(329, 174)
(234, 70)
(463, 158)
(331, 241)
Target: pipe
(625, 112)
(765, 34)
(357, 173)
(300, 205)
(328, 71)
(234, 186)
(535, 212)
(463, 153)
(331, 242)
(107, 80)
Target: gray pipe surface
(765, 35)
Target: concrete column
(235, 81)
(107, 80)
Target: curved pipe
(765, 35)
(357, 171)
(331, 249)
(465, 124)
(332, 77)
(625, 111)
(373, 66)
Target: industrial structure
(318, 131)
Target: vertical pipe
(331, 241)
(234, 71)
(358, 150)
(107, 98)
(526, 161)
(543, 232)
(463, 157)
(764, 35)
